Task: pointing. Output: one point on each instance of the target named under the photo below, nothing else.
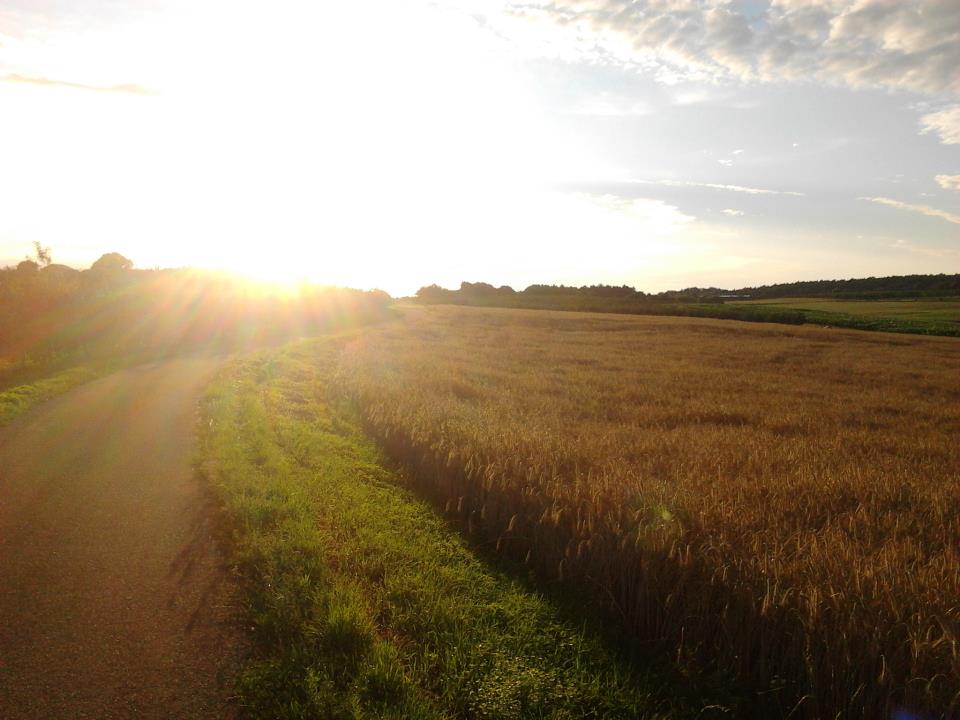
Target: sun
(271, 272)
(340, 152)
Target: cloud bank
(949, 182)
(864, 43)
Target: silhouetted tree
(434, 293)
(478, 288)
(42, 254)
(111, 263)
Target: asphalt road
(115, 601)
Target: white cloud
(719, 186)
(881, 43)
(945, 123)
(949, 182)
(731, 212)
(924, 209)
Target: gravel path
(114, 598)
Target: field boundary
(17, 400)
(766, 311)
(364, 603)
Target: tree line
(53, 314)
(712, 302)
(871, 288)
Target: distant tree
(624, 291)
(434, 293)
(27, 267)
(60, 279)
(379, 297)
(551, 290)
(111, 263)
(42, 254)
(478, 288)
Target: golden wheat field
(777, 505)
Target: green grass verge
(364, 603)
(17, 400)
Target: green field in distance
(939, 316)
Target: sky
(398, 143)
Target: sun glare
(310, 158)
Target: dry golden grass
(780, 504)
